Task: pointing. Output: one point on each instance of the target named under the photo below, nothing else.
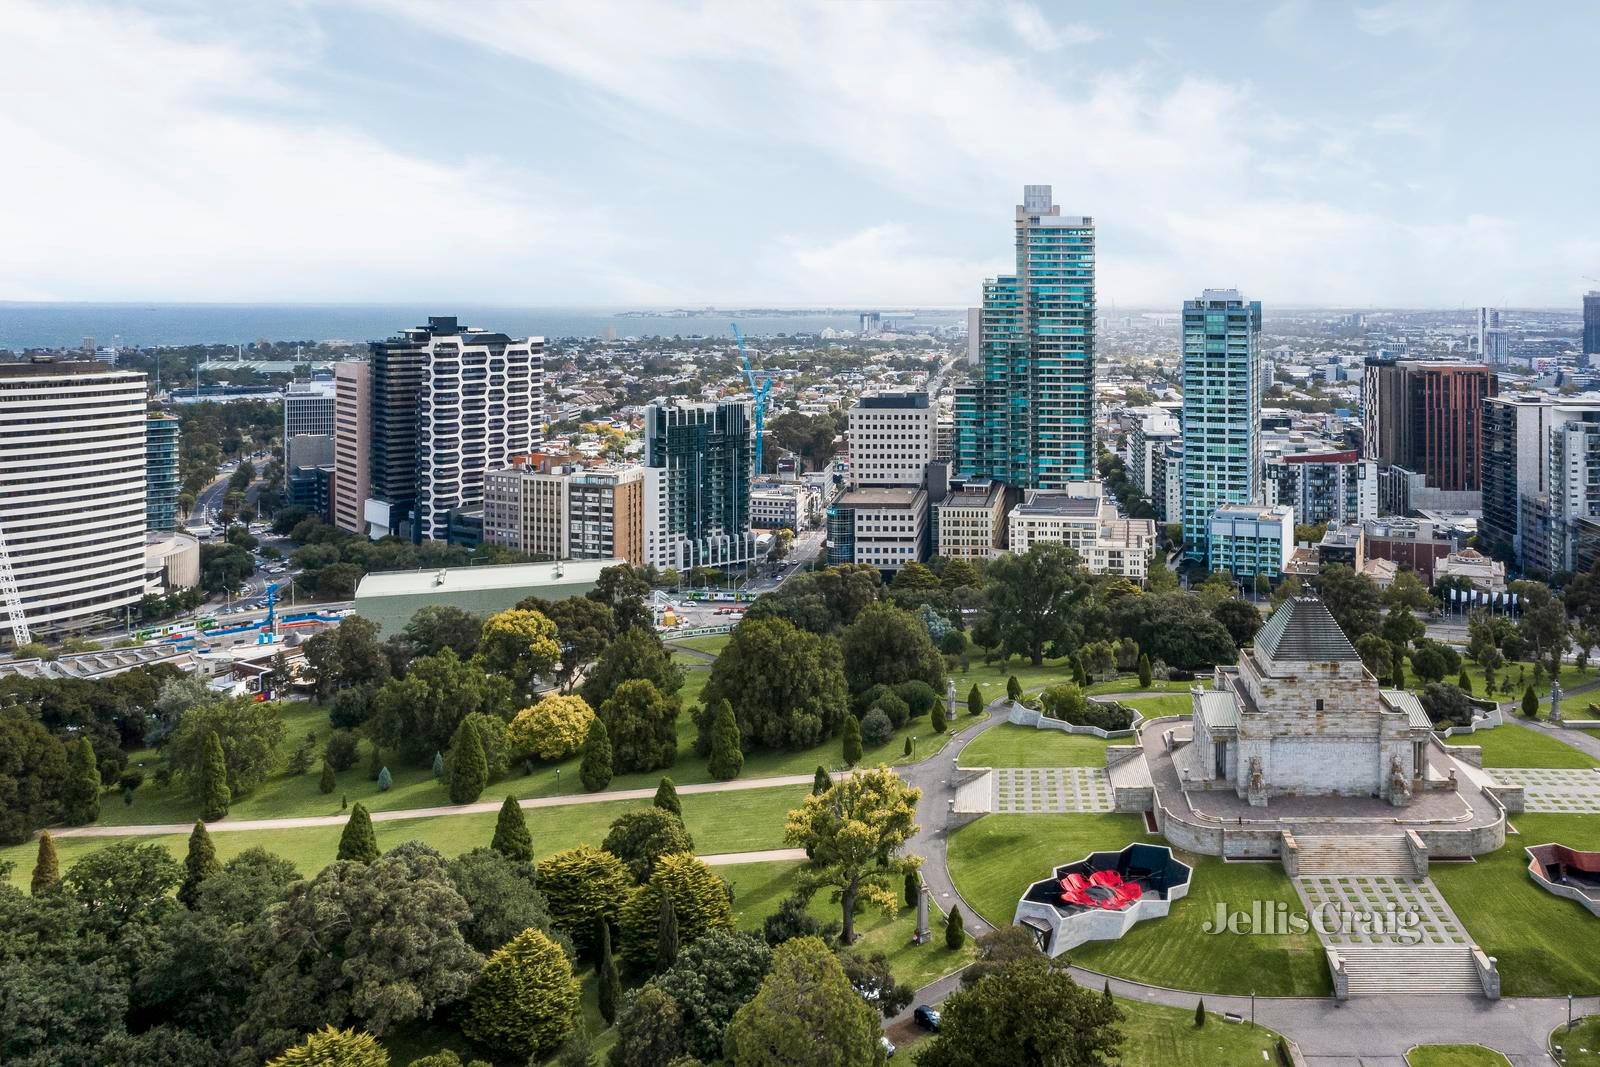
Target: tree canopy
(786, 686)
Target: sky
(1426, 154)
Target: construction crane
(758, 390)
(10, 599)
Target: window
(1319, 703)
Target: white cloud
(886, 264)
(1036, 31)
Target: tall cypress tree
(214, 793)
(727, 758)
(667, 797)
(955, 934)
(469, 767)
(511, 837)
(200, 864)
(666, 933)
(358, 842)
(82, 793)
(327, 781)
(974, 700)
(821, 782)
(595, 770)
(610, 980)
(47, 868)
(852, 740)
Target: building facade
(1251, 539)
(525, 508)
(969, 523)
(606, 514)
(1322, 482)
(1427, 417)
(352, 460)
(704, 454)
(72, 489)
(1147, 441)
(1028, 418)
(1536, 473)
(892, 439)
(881, 527)
(1221, 411)
(161, 438)
(1591, 328)
(1080, 518)
(396, 371)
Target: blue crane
(758, 390)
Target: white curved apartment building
(72, 489)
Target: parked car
(926, 1017)
(888, 1047)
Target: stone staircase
(1408, 969)
(1354, 855)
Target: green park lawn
(994, 859)
(712, 643)
(1515, 746)
(738, 821)
(1580, 1046)
(1511, 679)
(1157, 1036)
(1455, 1056)
(1129, 683)
(1007, 745)
(1156, 707)
(1546, 946)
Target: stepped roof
(1304, 631)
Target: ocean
(24, 325)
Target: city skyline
(1306, 155)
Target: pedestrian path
(1572, 791)
(1050, 790)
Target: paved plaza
(1047, 790)
(1362, 896)
(1546, 790)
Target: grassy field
(1455, 1056)
(713, 643)
(739, 821)
(1580, 1046)
(1513, 678)
(994, 859)
(1129, 683)
(1006, 745)
(1514, 746)
(1157, 1036)
(1546, 946)
(1155, 707)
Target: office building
(892, 439)
(72, 489)
(1079, 517)
(1428, 418)
(1250, 539)
(308, 417)
(969, 523)
(1538, 465)
(606, 513)
(1221, 411)
(1591, 329)
(1027, 419)
(700, 516)
(161, 438)
(525, 508)
(1147, 468)
(882, 527)
(396, 371)
(352, 433)
(1322, 481)
(791, 506)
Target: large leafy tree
(887, 646)
(1036, 599)
(433, 629)
(822, 601)
(643, 726)
(1408, 591)
(650, 1030)
(639, 838)
(806, 1012)
(1483, 645)
(855, 834)
(124, 887)
(521, 646)
(1176, 629)
(501, 895)
(1030, 1011)
(1543, 624)
(552, 729)
(80, 798)
(1239, 617)
(624, 590)
(416, 715)
(583, 886)
(584, 627)
(715, 975)
(699, 904)
(250, 733)
(348, 654)
(33, 776)
(525, 1002)
(786, 686)
(1352, 599)
(636, 653)
(378, 943)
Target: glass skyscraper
(1028, 418)
(1221, 411)
(161, 471)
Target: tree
(699, 902)
(805, 1012)
(1464, 682)
(123, 887)
(1239, 617)
(1037, 598)
(379, 943)
(34, 770)
(955, 935)
(469, 770)
(81, 794)
(639, 838)
(584, 887)
(937, 719)
(199, 864)
(1397, 660)
(876, 727)
(624, 590)
(357, 842)
(1401, 627)
(996, 950)
(342, 750)
(1530, 703)
(326, 782)
(821, 782)
(500, 895)
(886, 645)
(525, 1001)
(727, 759)
(650, 1030)
(667, 797)
(385, 780)
(666, 934)
(1029, 1011)
(635, 654)
(348, 654)
(854, 834)
(610, 981)
(1408, 593)
(1483, 645)
(595, 770)
(436, 627)
(1543, 623)
(215, 796)
(1352, 599)
(1446, 705)
(248, 733)
(417, 715)
(786, 686)
(1377, 655)
(374, 763)
(511, 837)
(974, 700)
(1014, 688)
(871, 975)
(1199, 1014)
(913, 889)
(519, 645)
(714, 976)
(642, 725)
(46, 867)
(584, 628)
(438, 764)
(329, 1047)
(552, 729)
(852, 741)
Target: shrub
(876, 728)
(955, 934)
(552, 729)
(920, 697)
(335, 1048)
(583, 887)
(525, 1001)
(640, 838)
(1013, 688)
(699, 902)
(342, 750)
(974, 700)
(384, 780)
(937, 721)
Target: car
(888, 1046)
(926, 1017)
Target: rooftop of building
(1304, 631)
(890, 400)
(465, 579)
(982, 495)
(883, 497)
(1260, 512)
(47, 367)
(1059, 503)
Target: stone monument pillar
(1555, 699)
(922, 916)
(950, 698)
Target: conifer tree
(955, 934)
(511, 837)
(936, 717)
(375, 763)
(821, 782)
(974, 700)
(327, 781)
(595, 770)
(1145, 675)
(667, 797)
(438, 764)
(852, 741)
(469, 767)
(81, 795)
(666, 934)
(214, 792)
(358, 842)
(727, 758)
(200, 864)
(610, 980)
(385, 780)
(47, 868)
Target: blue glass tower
(161, 471)
(1028, 420)
(1221, 411)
